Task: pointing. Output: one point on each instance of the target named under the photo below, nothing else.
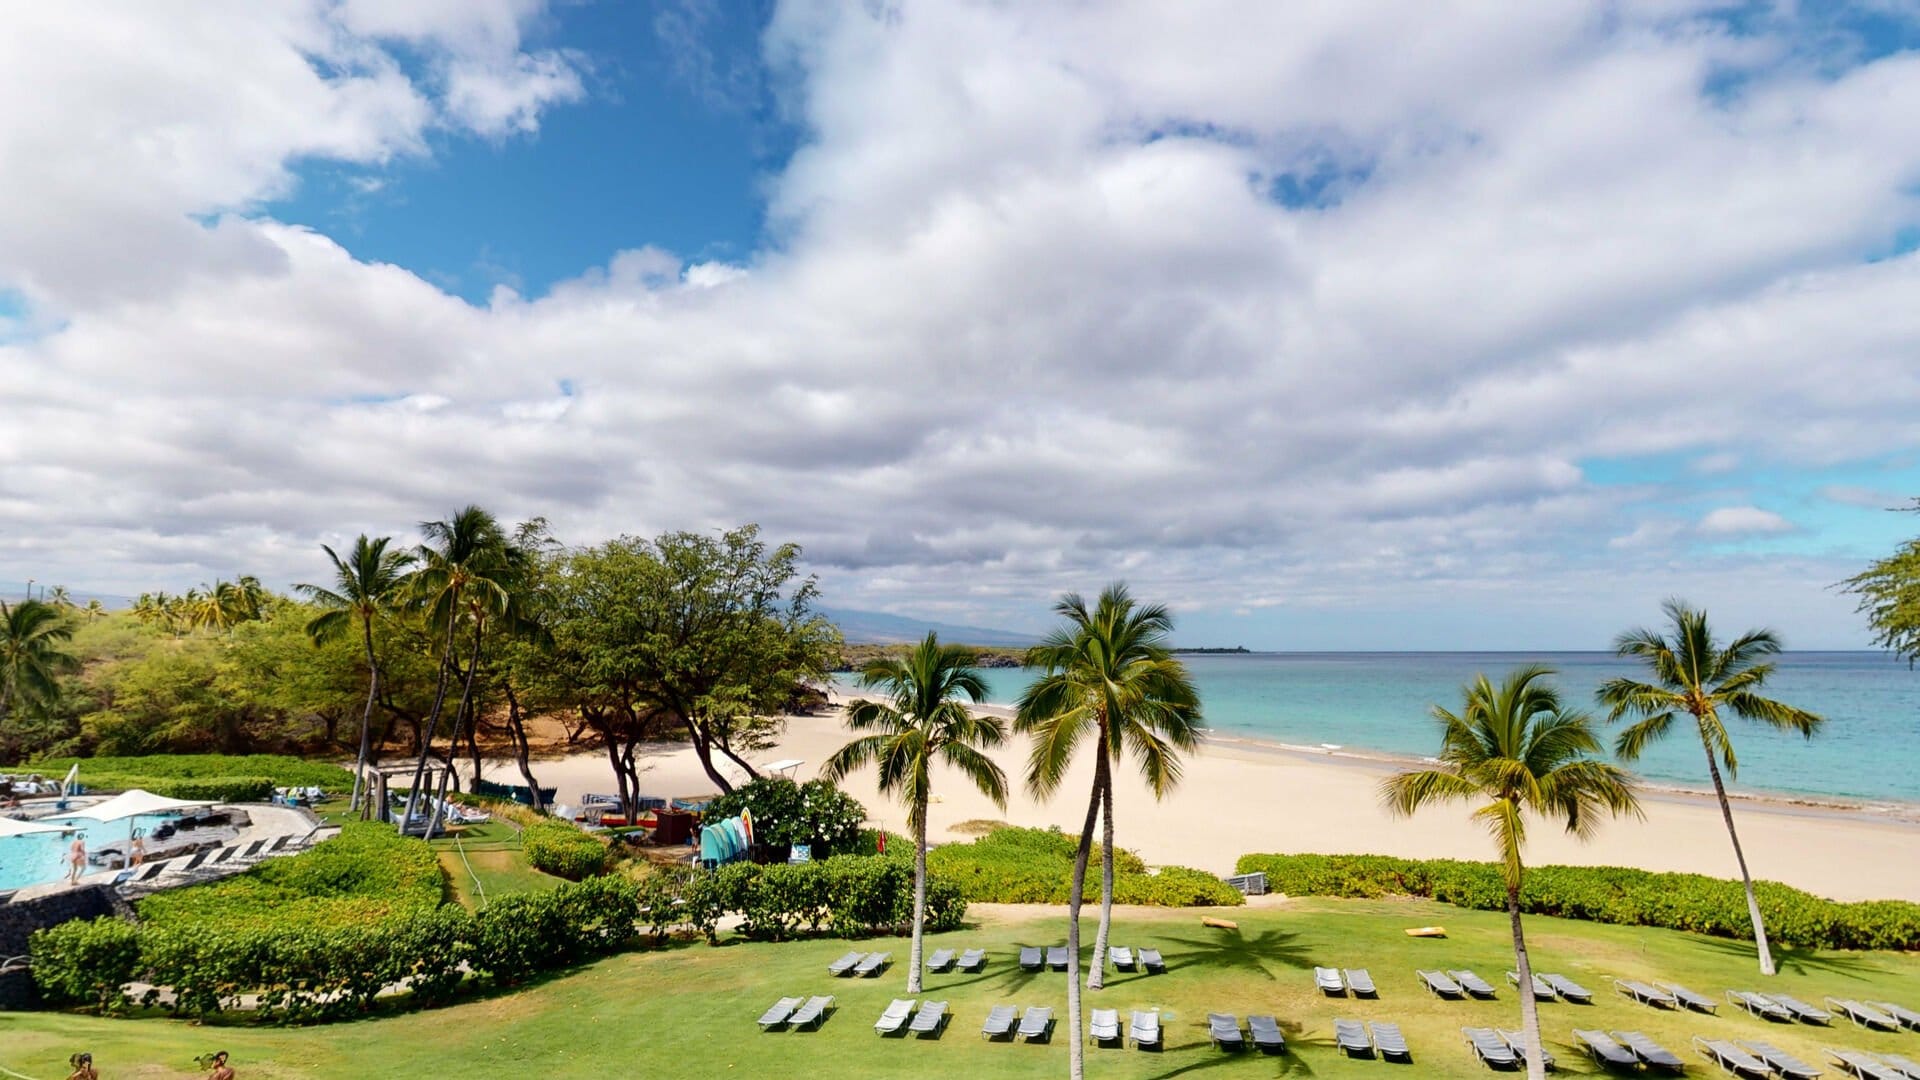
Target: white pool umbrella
(10, 827)
(136, 802)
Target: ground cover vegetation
(224, 777)
(687, 1011)
(1035, 866)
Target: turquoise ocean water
(1870, 748)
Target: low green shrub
(368, 872)
(86, 961)
(1607, 894)
(174, 774)
(846, 895)
(559, 848)
(786, 813)
(1035, 866)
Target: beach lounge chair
(1121, 957)
(1224, 1030)
(1036, 1024)
(1780, 1061)
(1907, 1068)
(1732, 1058)
(1517, 1042)
(1473, 984)
(895, 1017)
(1144, 1029)
(1388, 1040)
(1103, 1026)
(150, 871)
(777, 1016)
(1351, 1036)
(1329, 982)
(1907, 1017)
(1760, 1005)
(1646, 995)
(973, 960)
(198, 858)
(846, 964)
(1440, 984)
(1568, 989)
(1802, 1011)
(1604, 1050)
(1650, 1053)
(280, 843)
(1490, 1048)
(1542, 989)
(1863, 1014)
(1150, 961)
(873, 964)
(226, 853)
(812, 1014)
(1030, 958)
(1266, 1034)
(931, 1018)
(1865, 1066)
(1057, 957)
(941, 960)
(999, 1021)
(1361, 983)
(1696, 1002)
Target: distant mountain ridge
(880, 628)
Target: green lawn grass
(689, 1010)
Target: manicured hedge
(1693, 902)
(847, 895)
(221, 777)
(1035, 866)
(559, 848)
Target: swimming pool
(39, 857)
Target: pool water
(40, 858)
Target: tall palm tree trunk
(1529, 1009)
(459, 716)
(433, 724)
(1103, 779)
(366, 719)
(1076, 1065)
(919, 897)
(1746, 879)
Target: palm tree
(465, 570)
(367, 583)
(925, 721)
(1693, 674)
(95, 609)
(60, 597)
(31, 657)
(1107, 673)
(1519, 752)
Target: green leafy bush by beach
(221, 777)
(787, 813)
(1035, 866)
(846, 895)
(561, 849)
(1606, 894)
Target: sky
(1331, 325)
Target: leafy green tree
(33, 656)
(367, 585)
(1694, 674)
(1889, 592)
(923, 720)
(1516, 750)
(1107, 674)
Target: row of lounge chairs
(1779, 1007)
(865, 965)
(1454, 985)
(208, 861)
(1500, 1048)
(1876, 1066)
(1262, 1030)
(1554, 987)
(1625, 1049)
(1036, 1024)
(797, 1014)
(1373, 1037)
(1034, 958)
(945, 960)
(1336, 982)
(1143, 1028)
(1665, 996)
(930, 1019)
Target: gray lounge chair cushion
(895, 1016)
(973, 959)
(1866, 1067)
(1144, 1028)
(781, 1010)
(813, 1012)
(1387, 1039)
(1120, 956)
(1648, 1051)
(940, 960)
(1360, 982)
(1224, 1029)
(1328, 980)
(1801, 1010)
(1517, 1042)
(1730, 1056)
(1440, 983)
(1104, 1025)
(999, 1020)
(1761, 1005)
(927, 1021)
(1036, 1022)
(1542, 989)
(1905, 1066)
(1645, 994)
(1697, 1002)
(1490, 1047)
(873, 963)
(1605, 1050)
(1906, 1016)
(846, 963)
(1782, 1062)
(1473, 984)
(1351, 1036)
(1570, 990)
(1863, 1014)
(1266, 1032)
(1150, 960)
(1030, 958)
(1057, 957)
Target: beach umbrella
(136, 802)
(14, 827)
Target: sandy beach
(1241, 795)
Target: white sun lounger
(1224, 1030)
(1802, 1011)
(1542, 989)
(1144, 1028)
(1696, 1002)
(1103, 1026)
(846, 964)
(973, 960)
(1863, 1014)
(1351, 1036)
(895, 1018)
(1732, 1058)
(1328, 980)
(1440, 984)
(1030, 959)
(1266, 1034)
(940, 960)
(1473, 984)
(1036, 1024)
(1650, 1053)
(999, 1021)
(1361, 983)
(813, 1013)
(1517, 1042)
(1489, 1047)
(777, 1016)
(1865, 1066)
(1150, 961)
(1780, 1061)
(930, 1019)
(1906, 1067)
(1388, 1040)
(1907, 1017)
(1568, 989)
(1605, 1050)
(1121, 957)
(873, 964)
(1760, 1005)
(1057, 957)
(1645, 994)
